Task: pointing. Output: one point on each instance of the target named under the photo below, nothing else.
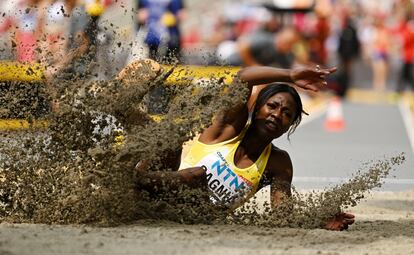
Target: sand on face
(385, 225)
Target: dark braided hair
(275, 88)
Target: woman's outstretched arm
(309, 78)
(230, 122)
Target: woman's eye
(272, 105)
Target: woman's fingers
(332, 69)
(340, 221)
(348, 215)
(312, 87)
(326, 71)
(348, 221)
(322, 73)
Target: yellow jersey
(228, 184)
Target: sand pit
(385, 225)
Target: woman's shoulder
(279, 163)
(226, 126)
(278, 154)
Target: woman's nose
(277, 114)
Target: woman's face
(276, 116)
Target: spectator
(53, 26)
(265, 48)
(81, 43)
(407, 41)
(7, 19)
(322, 31)
(380, 55)
(27, 24)
(348, 51)
(162, 20)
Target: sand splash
(82, 168)
(312, 209)
(72, 173)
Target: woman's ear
(254, 114)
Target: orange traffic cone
(334, 117)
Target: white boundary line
(300, 179)
(408, 121)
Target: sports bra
(229, 185)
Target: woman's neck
(254, 144)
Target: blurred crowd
(60, 34)
(378, 35)
(64, 35)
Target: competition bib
(225, 185)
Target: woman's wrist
(283, 75)
(265, 74)
(291, 75)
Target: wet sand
(385, 225)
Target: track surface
(321, 158)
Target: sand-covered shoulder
(385, 225)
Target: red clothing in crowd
(407, 39)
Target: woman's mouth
(271, 125)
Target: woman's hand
(311, 78)
(340, 221)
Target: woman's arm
(308, 78)
(280, 173)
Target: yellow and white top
(228, 184)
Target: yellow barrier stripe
(371, 96)
(15, 71)
(20, 124)
(184, 73)
(181, 74)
